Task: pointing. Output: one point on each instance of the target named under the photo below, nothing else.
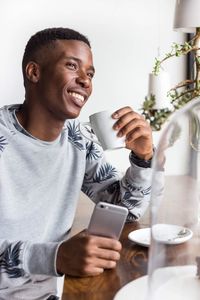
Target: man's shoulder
(7, 109)
(72, 126)
(74, 134)
(5, 127)
(3, 109)
(3, 113)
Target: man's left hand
(137, 131)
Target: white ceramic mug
(102, 125)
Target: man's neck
(39, 125)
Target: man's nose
(83, 80)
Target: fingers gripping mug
(102, 125)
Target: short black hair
(47, 37)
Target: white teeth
(78, 96)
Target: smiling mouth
(77, 96)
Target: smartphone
(107, 220)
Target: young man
(45, 162)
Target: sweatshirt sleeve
(20, 259)
(102, 182)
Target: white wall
(124, 34)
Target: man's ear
(32, 71)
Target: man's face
(65, 81)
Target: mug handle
(87, 137)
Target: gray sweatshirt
(40, 183)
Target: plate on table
(141, 236)
(163, 233)
(177, 283)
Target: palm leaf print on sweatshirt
(114, 188)
(9, 261)
(129, 202)
(105, 172)
(3, 142)
(74, 135)
(92, 152)
(88, 191)
(140, 189)
(132, 187)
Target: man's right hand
(87, 255)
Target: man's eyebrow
(79, 61)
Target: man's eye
(90, 75)
(72, 66)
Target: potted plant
(183, 92)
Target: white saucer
(141, 236)
(163, 233)
(177, 283)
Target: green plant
(183, 92)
